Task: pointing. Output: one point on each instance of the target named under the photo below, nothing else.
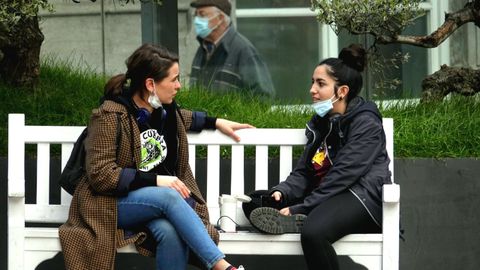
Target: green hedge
(65, 96)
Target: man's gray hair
(227, 18)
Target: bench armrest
(391, 193)
(16, 188)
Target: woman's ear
(343, 91)
(149, 84)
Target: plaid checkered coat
(90, 236)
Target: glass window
(292, 46)
(272, 3)
(289, 46)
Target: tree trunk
(464, 81)
(20, 53)
(469, 13)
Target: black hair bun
(354, 56)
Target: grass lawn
(66, 96)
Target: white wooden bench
(28, 246)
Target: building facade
(100, 35)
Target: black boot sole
(269, 220)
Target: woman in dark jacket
(138, 187)
(335, 189)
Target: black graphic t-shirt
(158, 138)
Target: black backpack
(75, 167)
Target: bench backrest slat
(192, 153)
(237, 174)
(43, 173)
(67, 148)
(213, 174)
(51, 134)
(261, 162)
(263, 136)
(286, 161)
(16, 156)
(388, 128)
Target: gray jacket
(234, 65)
(356, 148)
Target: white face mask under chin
(153, 99)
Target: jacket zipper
(314, 136)
(364, 206)
(326, 145)
(324, 141)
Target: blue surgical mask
(322, 107)
(201, 26)
(153, 99)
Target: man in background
(225, 60)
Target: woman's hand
(285, 211)
(229, 127)
(277, 195)
(175, 183)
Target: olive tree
(21, 39)
(385, 20)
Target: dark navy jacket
(234, 65)
(356, 148)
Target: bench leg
(391, 230)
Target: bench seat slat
(46, 239)
(46, 213)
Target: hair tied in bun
(354, 56)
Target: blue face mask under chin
(322, 107)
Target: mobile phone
(190, 201)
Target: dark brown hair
(148, 61)
(347, 68)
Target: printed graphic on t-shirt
(154, 149)
(321, 164)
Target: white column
(441, 54)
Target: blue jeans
(173, 223)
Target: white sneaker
(240, 267)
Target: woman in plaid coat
(138, 187)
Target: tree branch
(470, 13)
